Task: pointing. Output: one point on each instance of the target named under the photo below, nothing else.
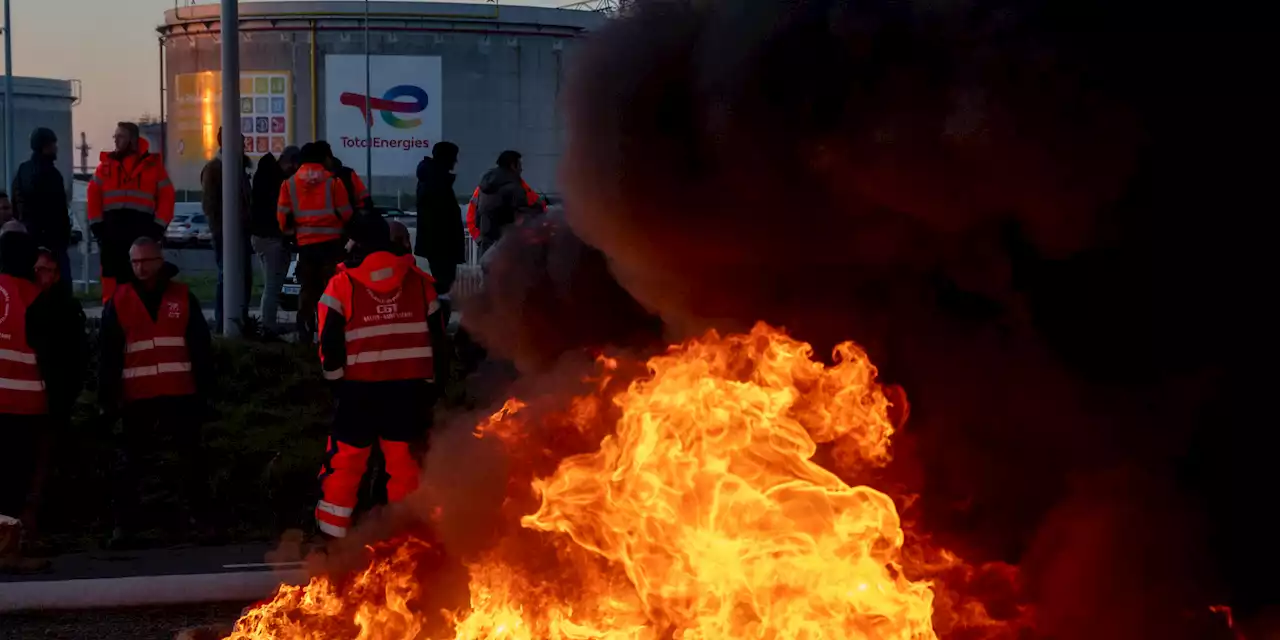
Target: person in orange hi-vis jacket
(130, 197)
(383, 345)
(501, 199)
(313, 211)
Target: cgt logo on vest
(4, 311)
(390, 104)
(175, 310)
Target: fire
(697, 513)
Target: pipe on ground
(105, 593)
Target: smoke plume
(1043, 219)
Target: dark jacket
(211, 196)
(440, 238)
(502, 199)
(345, 174)
(63, 347)
(266, 192)
(111, 344)
(40, 202)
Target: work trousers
(316, 266)
(396, 416)
(159, 477)
(274, 260)
(19, 454)
(113, 254)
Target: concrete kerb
(104, 593)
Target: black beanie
(371, 233)
(18, 253)
(41, 137)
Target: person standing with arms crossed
(130, 197)
(313, 210)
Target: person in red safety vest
(313, 209)
(361, 198)
(501, 199)
(383, 344)
(129, 197)
(154, 372)
(24, 400)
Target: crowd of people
(379, 320)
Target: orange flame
(701, 515)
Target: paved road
(188, 261)
(152, 623)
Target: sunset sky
(111, 47)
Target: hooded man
(383, 344)
(155, 371)
(130, 197)
(40, 198)
(313, 210)
(440, 238)
(502, 198)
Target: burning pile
(698, 512)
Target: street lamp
(368, 119)
(8, 93)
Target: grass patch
(204, 286)
(263, 448)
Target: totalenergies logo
(390, 104)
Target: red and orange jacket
(22, 390)
(379, 322)
(136, 182)
(313, 205)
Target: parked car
(188, 230)
(290, 289)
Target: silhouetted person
(40, 198)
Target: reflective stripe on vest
(156, 362)
(22, 390)
(317, 225)
(387, 336)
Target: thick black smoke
(546, 293)
(1050, 221)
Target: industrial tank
(484, 76)
(39, 102)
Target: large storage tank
(39, 102)
(484, 76)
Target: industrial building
(484, 76)
(40, 102)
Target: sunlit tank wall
(503, 70)
(39, 102)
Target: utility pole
(368, 120)
(234, 307)
(86, 242)
(8, 94)
(84, 150)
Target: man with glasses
(154, 372)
